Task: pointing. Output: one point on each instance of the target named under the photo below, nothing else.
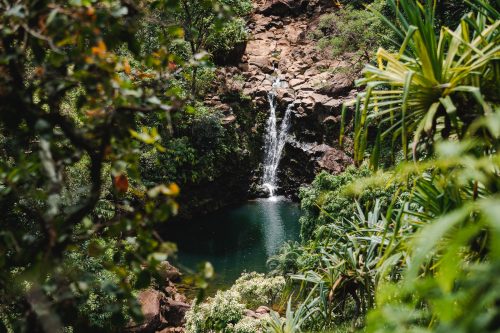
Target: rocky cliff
(280, 44)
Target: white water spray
(275, 140)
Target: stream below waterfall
(236, 239)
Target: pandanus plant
(353, 257)
(435, 84)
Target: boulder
(334, 160)
(174, 312)
(263, 309)
(150, 301)
(250, 313)
(295, 82)
(229, 119)
(259, 61)
(338, 85)
(169, 272)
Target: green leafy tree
(203, 26)
(76, 217)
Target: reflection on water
(273, 227)
(237, 239)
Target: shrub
(327, 197)
(256, 289)
(224, 311)
(249, 325)
(207, 131)
(205, 78)
(351, 30)
(218, 313)
(89, 262)
(222, 42)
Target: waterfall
(275, 140)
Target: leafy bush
(256, 289)
(226, 39)
(328, 200)
(197, 152)
(207, 132)
(249, 325)
(217, 313)
(224, 312)
(430, 262)
(286, 260)
(205, 80)
(90, 263)
(350, 30)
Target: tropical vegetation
(103, 123)
(411, 245)
(97, 102)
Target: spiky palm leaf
(430, 77)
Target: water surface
(237, 239)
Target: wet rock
(283, 93)
(258, 191)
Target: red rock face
(317, 85)
(163, 309)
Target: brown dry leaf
(121, 183)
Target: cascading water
(274, 140)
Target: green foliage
(256, 289)
(286, 260)
(449, 13)
(225, 311)
(327, 198)
(231, 35)
(449, 284)
(208, 25)
(249, 325)
(435, 85)
(353, 33)
(217, 313)
(79, 93)
(426, 260)
(350, 30)
(292, 322)
(95, 303)
(197, 153)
